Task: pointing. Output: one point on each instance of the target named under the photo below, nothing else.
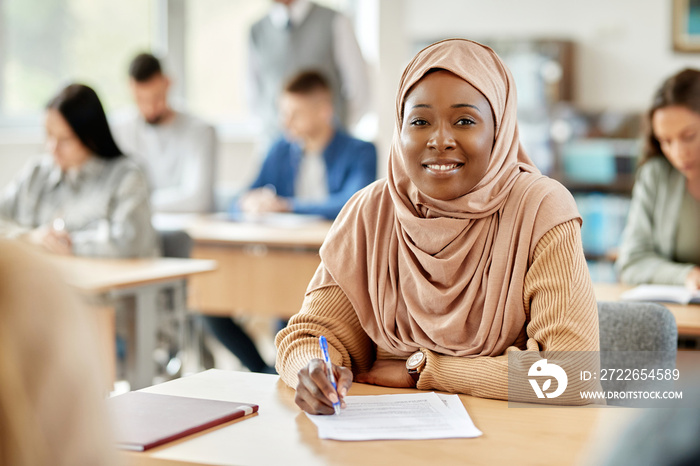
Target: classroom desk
(281, 434)
(104, 281)
(687, 316)
(263, 269)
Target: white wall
(624, 47)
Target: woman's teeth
(451, 166)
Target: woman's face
(446, 135)
(67, 149)
(677, 129)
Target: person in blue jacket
(315, 167)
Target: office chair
(635, 336)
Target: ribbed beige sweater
(561, 312)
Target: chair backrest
(175, 243)
(635, 335)
(628, 326)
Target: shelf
(622, 185)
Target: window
(46, 44)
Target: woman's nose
(442, 138)
(677, 150)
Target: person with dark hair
(300, 34)
(657, 246)
(85, 198)
(176, 149)
(316, 167)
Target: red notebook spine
(238, 414)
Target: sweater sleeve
(326, 311)
(639, 260)
(558, 296)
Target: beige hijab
(446, 275)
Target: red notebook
(146, 420)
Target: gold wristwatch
(415, 364)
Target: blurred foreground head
(51, 382)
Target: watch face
(415, 360)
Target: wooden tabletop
(277, 231)
(94, 275)
(687, 315)
(281, 434)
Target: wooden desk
(106, 280)
(262, 269)
(687, 316)
(281, 434)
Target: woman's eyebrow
(466, 105)
(452, 106)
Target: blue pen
(326, 357)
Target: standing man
(177, 150)
(297, 35)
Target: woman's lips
(443, 168)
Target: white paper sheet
(392, 417)
(662, 293)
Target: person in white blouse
(296, 35)
(83, 198)
(177, 150)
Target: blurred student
(51, 412)
(85, 197)
(177, 150)
(316, 167)
(658, 437)
(296, 35)
(660, 242)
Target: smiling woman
(463, 256)
(447, 143)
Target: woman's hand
(315, 394)
(692, 281)
(55, 241)
(388, 373)
(58, 242)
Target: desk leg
(145, 330)
(141, 365)
(180, 310)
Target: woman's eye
(419, 122)
(465, 121)
(689, 137)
